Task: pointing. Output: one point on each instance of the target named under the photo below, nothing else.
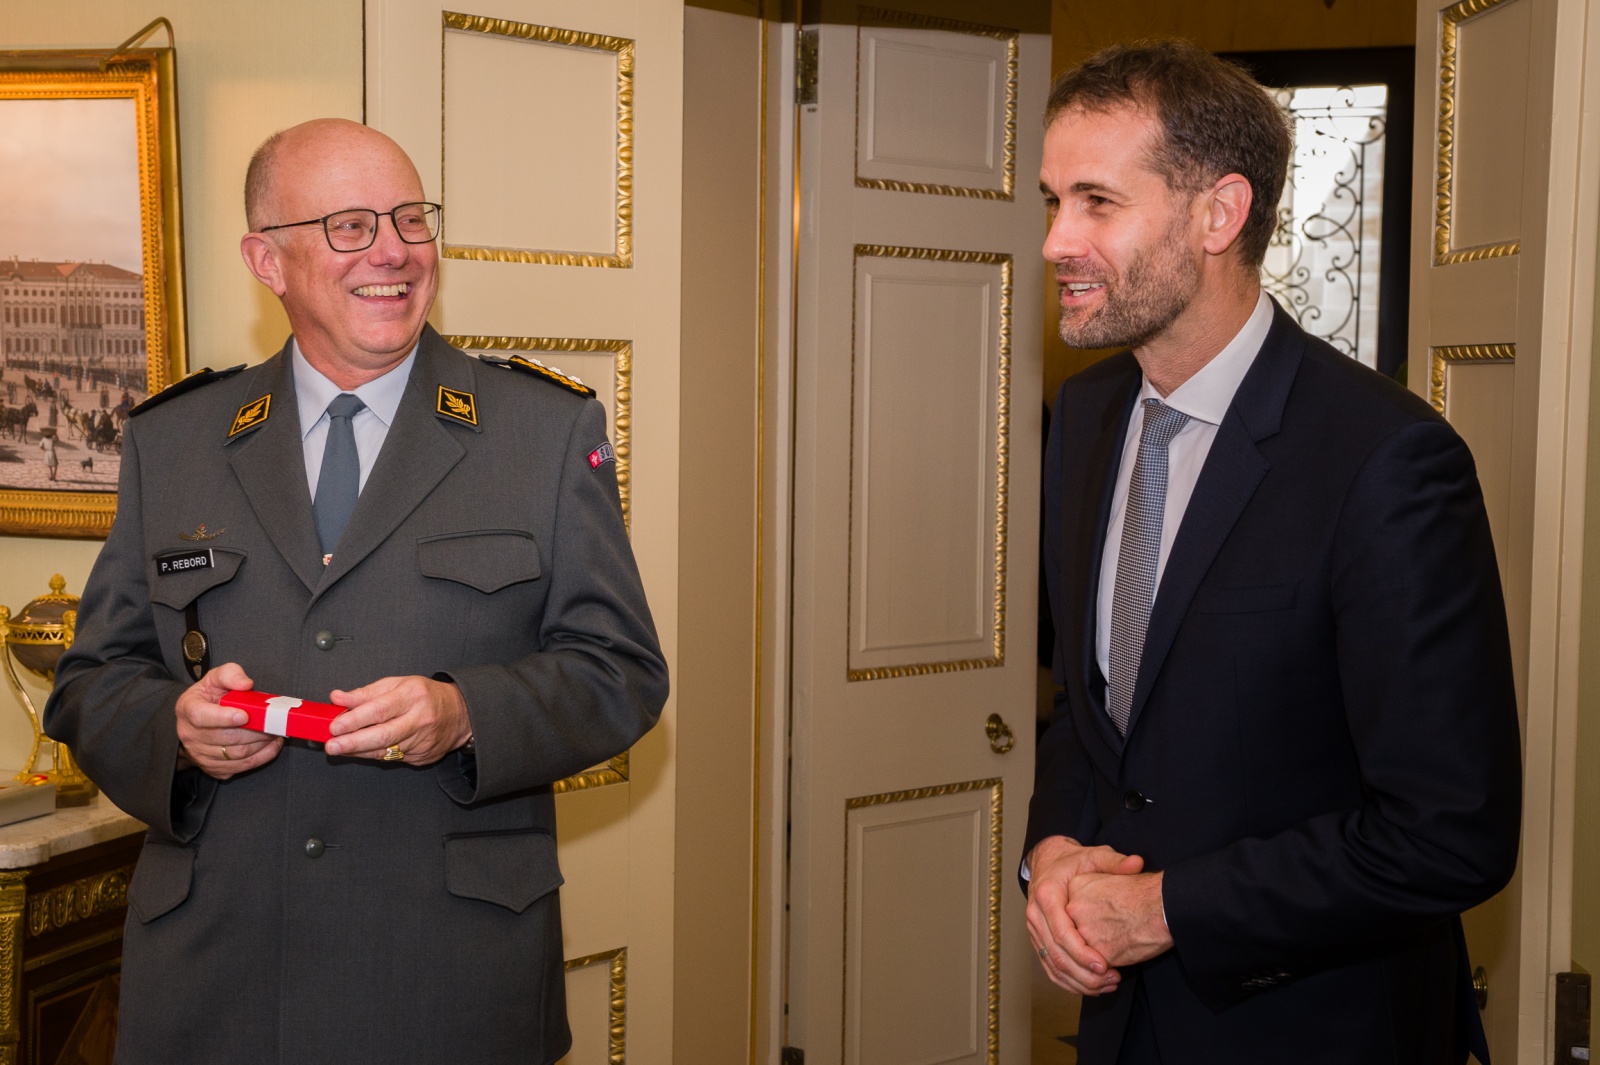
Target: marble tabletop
(39, 839)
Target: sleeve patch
(601, 455)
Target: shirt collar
(314, 391)
(1207, 395)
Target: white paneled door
(916, 453)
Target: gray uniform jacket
(343, 910)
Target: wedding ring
(226, 757)
(394, 754)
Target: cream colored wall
(1080, 28)
(715, 681)
(244, 70)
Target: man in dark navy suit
(1286, 754)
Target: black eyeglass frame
(438, 210)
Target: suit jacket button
(315, 847)
(324, 640)
(1134, 801)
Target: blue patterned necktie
(339, 483)
(1135, 587)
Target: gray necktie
(339, 483)
(1135, 587)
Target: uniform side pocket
(510, 869)
(161, 880)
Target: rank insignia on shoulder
(251, 415)
(538, 369)
(462, 406)
(203, 376)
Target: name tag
(184, 561)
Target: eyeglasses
(357, 228)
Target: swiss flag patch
(602, 455)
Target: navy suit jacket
(1323, 754)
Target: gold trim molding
(13, 900)
(877, 16)
(622, 362)
(78, 900)
(1002, 458)
(996, 788)
(624, 49)
(613, 772)
(1440, 358)
(617, 1027)
(1444, 254)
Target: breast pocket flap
(161, 880)
(487, 561)
(510, 869)
(1251, 600)
(177, 578)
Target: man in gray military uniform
(373, 519)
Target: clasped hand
(1090, 910)
(425, 718)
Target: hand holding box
(285, 715)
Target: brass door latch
(1000, 738)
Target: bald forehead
(320, 165)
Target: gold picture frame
(82, 340)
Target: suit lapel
(1086, 540)
(1233, 470)
(417, 453)
(271, 467)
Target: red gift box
(284, 715)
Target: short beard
(1156, 287)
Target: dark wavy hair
(1214, 117)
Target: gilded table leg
(13, 904)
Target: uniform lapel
(1233, 470)
(417, 453)
(270, 464)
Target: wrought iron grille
(1323, 261)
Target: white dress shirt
(370, 424)
(1205, 398)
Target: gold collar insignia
(458, 405)
(251, 415)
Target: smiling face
(1127, 248)
(355, 315)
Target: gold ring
(394, 753)
(226, 757)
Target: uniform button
(315, 847)
(324, 640)
(1134, 801)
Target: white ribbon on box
(277, 717)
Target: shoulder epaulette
(202, 376)
(541, 371)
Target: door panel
(1478, 315)
(922, 895)
(524, 120)
(916, 442)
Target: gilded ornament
(875, 16)
(1441, 357)
(996, 788)
(1002, 457)
(1444, 210)
(624, 48)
